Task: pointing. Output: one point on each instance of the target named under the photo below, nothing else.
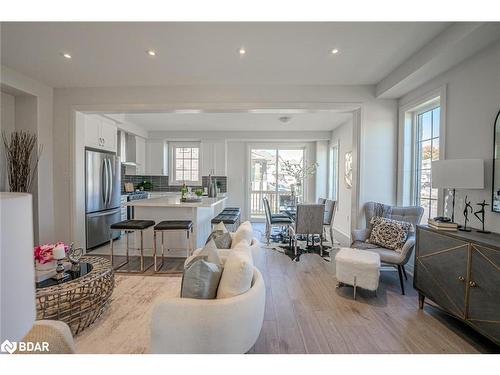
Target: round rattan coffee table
(80, 301)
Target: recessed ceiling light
(242, 51)
(284, 119)
(66, 55)
(335, 51)
(151, 52)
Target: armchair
(410, 214)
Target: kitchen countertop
(175, 201)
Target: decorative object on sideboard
(22, 153)
(348, 169)
(467, 208)
(495, 201)
(481, 218)
(457, 174)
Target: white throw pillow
(208, 253)
(243, 233)
(236, 277)
(245, 249)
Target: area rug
(284, 247)
(124, 328)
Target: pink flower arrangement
(43, 253)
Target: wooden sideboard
(460, 272)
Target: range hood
(127, 148)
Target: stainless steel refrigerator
(102, 196)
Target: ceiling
(114, 54)
(309, 121)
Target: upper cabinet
(156, 157)
(213, 157)
(100, 133)
(140, 155)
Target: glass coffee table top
(84, 268)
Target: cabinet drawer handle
(472, 284)
(461, 278)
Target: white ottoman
(359, 268)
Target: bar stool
(227, 218)
(233, 211)
(131, 226)
(170, 226)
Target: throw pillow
(221, 227)
(200, 280)
(243, 233)
(222, 239)
(237, 276)
(208, 253)
(244, 249)
(388, 233)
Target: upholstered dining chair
(410, 214)
(274, 220)
(309, 221)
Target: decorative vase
(49, 266)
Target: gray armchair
(410, 214)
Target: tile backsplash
(160, 183)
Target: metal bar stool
(228, 219)
(131, 226)
(169, 226)
(234, 211)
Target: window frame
(333, 191)
(172, 165)
(409, 106)
(417, 157)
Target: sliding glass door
(273, 174)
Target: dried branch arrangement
(22, 155)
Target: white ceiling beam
(456, 43)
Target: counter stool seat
(133, 224)
(174, 225)
(166, 226)
(130, 226)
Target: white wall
(7, 124)
(473, 100)
(44, 125)
(342, 136)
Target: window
(185, 166)
(427, 150)
(334, 172)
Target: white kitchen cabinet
(156, 157)
(140, 155)
(100, 133)
(213, 157)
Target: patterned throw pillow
(223, 240)
(388, 233)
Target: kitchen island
(171, 208)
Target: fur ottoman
(357, 268)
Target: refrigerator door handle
(104, 182)
(110, 179)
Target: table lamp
(17, 288)
(458, 174)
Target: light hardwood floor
(306, 313)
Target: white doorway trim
(77, 208)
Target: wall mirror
(495, 206)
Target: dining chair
(274, 220)
(328, 218)
(309, 221)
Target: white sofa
(198, 326)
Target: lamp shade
(17, 288)
(458, 174)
